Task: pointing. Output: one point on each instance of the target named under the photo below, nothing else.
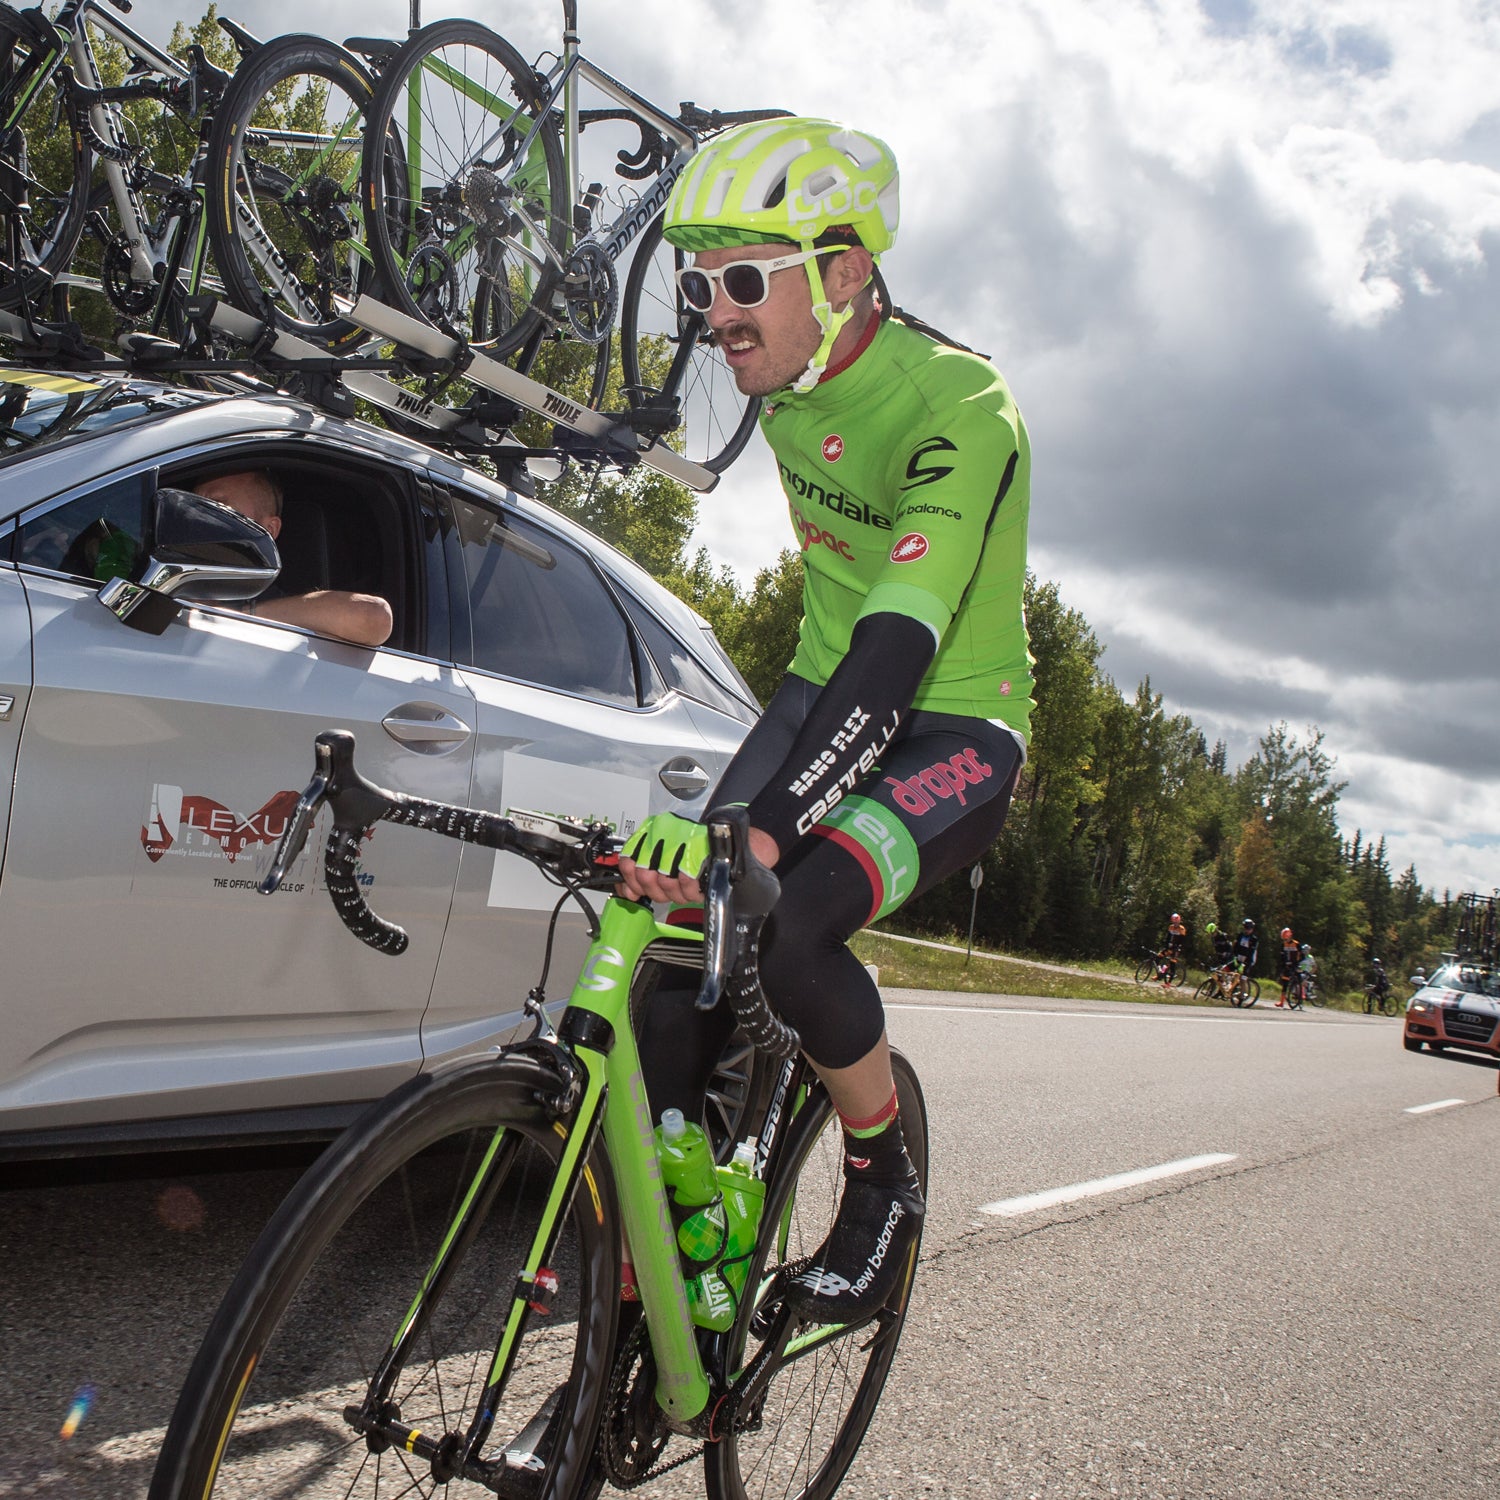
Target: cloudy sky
(1235, 259)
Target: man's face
(767, 347)
(247, 493)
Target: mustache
(736, 333)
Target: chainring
(633, 1434)
(591, 293)
(129, 298)
(432, 281)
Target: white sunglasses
(747, 283)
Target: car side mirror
(201, 553)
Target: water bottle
(744, 1197)
(714, 1295)
(687, 1165)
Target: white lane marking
(1010, 1208)
(1106, 1015)
(1422, 1109)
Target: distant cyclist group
(1231, 969)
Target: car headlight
(1417, 1006)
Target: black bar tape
(340, 862)
(470, 825)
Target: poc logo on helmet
(815, 201)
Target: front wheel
(797, 1440)
(1208, 990)
(1145, 971)
(284, 207)
(363, 1328)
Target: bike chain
(620, 1468)
(617, 1469)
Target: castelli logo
(833, 447)
(1005, 690)
(912, 546)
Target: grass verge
(906, 966)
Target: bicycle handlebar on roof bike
(739, 890)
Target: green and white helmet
(801, 181)
(795, 179)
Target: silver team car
(148, 758)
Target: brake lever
(294, 838)
(731, 865)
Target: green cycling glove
(669, 845)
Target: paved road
(1311, 1316)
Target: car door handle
(684, 777)
(427, 728)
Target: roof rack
(478, 427)
(1475, 936)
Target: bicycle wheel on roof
(667, 354)
(285, 207)
(469, 226)
(44, 183)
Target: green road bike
(437, 1304)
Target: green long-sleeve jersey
(908, 474)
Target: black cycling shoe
(865, 1259)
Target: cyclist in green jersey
(887, 759)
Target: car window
(677, 665)
(97, 536)
(1469, 981)
(37, 409)
(540, 612)
(346, 524)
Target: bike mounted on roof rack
(1476, 936)
(479, 427)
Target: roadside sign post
(976, 879)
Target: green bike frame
(599, 1010)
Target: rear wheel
(471, 227)
(371, 1306)
(666, 354)
(797, 1440)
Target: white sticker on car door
(567, 791)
